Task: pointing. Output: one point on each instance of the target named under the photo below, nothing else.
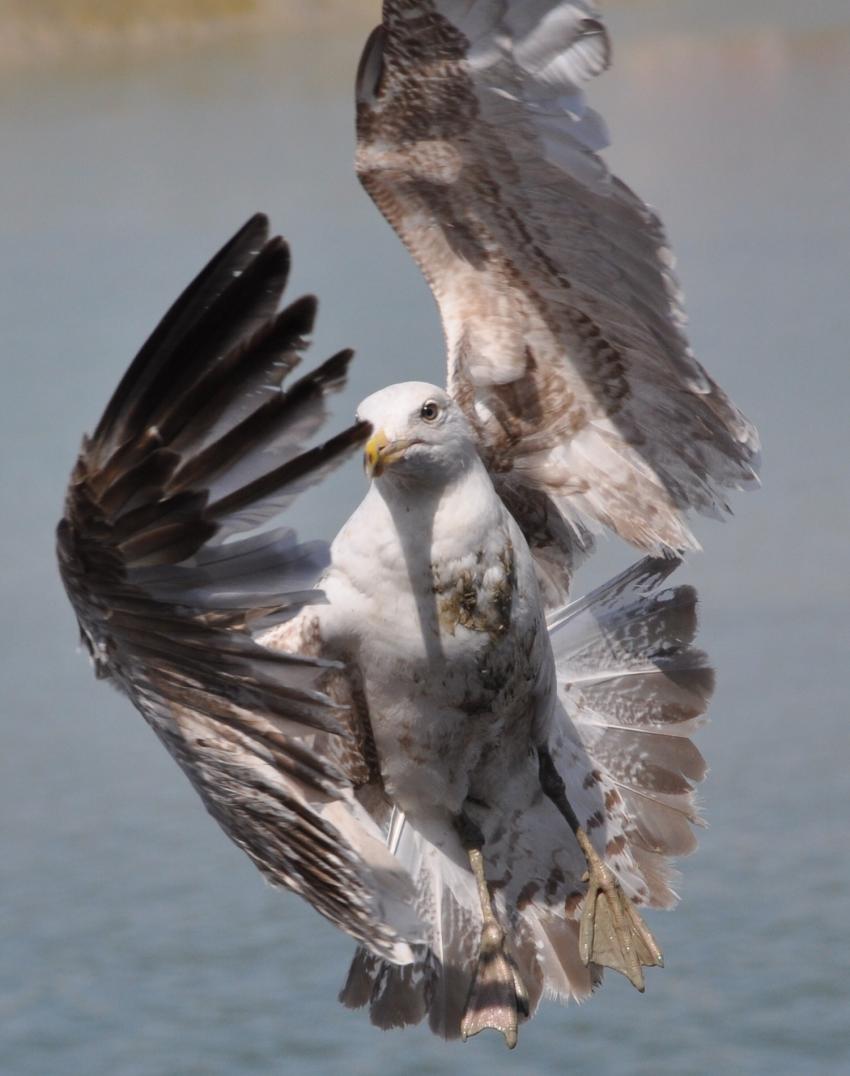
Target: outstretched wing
(200, 442)
(562, 317)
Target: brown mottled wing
(199, 442)
(562, 316)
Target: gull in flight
(413, 728)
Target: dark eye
(430, 411)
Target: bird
(413, 727)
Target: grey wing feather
(168, 608)
(636, 689)
(563, 318)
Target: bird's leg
(611, 932)
(497, 997)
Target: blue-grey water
(134, 939)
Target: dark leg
(497, 997)
(611, 933)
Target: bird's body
(446, 626)
(431, 594)
(432, 605)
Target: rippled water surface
(136, 941)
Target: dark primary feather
(171, 332)
(200, 429)
(562, 316)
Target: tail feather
(437, 984)
(544, 946)
(558, 966)
(657, 874)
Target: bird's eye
(430, 411)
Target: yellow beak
(380, 452)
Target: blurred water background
(134, 939)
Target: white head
(419, 435)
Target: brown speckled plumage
(562, 317)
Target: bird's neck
(415, 546)
(448, 514)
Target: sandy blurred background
(33, 31)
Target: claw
(611, 932)
(497, 996)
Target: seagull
(413, 728)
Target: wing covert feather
(636, 689)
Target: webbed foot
(611, 933)
(497, 997)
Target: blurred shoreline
(34, 32)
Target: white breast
(436, 601)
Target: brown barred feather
(167, 610)
(563, 319)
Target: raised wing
(562, 317)
(199, 442)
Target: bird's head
(419, 435)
